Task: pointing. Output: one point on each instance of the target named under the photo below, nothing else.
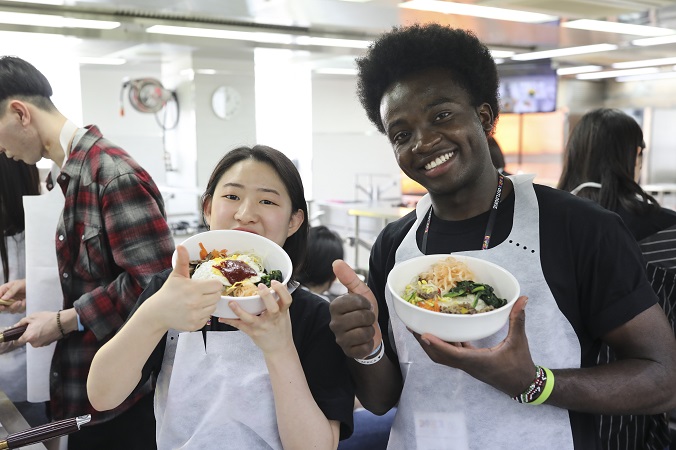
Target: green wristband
(547, 390)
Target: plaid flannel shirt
(112, 237)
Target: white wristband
(371, 359)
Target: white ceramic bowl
(453, 327)
(273, 256)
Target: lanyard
(489, 226)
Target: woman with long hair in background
(16, 180)
(603, 161)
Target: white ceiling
(338, 18)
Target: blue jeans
(370, 431)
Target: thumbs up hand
(354, 316)
(184, 304)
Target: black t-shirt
(645, 225)
(590, 261)
(323, 361)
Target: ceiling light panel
(617, 27)
(577, 69)
(502, 53)
(40, 2)
(268, 38)
(336, 71)
(332, 42)
(645, 63)
(569, 51)
(647, 77)
(616, 73)
(261, 37)
(102, 61)
(645, 42)
(486, 12)
(46, 20)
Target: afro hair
(407, 50)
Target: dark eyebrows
(436, 102)
(261, 189)
(235, 185)
(269, 191)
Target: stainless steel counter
(11, 421)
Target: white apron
(13, 363)
(43, 287)
(444, 408)
(218, 397)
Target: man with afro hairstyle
(433, 91)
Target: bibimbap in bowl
(240, 261)
(454, 297)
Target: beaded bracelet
(547, 390)
(539, 390)
(58, 323)
(374, 357)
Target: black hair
(324, 247)
(19, 79)
(16, 180)
(602, 148)
(296, 244)
(404, 51)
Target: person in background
(111, 238)
(324, 247)
(281, 382)
(497, 156)
(16, 180)
(433, 91)
(603, 163)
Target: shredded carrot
(204, 254)
(430, 305)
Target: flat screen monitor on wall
(527, 88)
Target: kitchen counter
(11, 421)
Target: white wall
(201, 138)
(658, 98)
(345, 143)
(135, 132)
(578, 96)
(662, 147)
(215, 136)
(284, 106)
(140, 134)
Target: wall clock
(226, 102)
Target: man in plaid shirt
(111, 238)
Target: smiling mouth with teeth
(440, 160)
